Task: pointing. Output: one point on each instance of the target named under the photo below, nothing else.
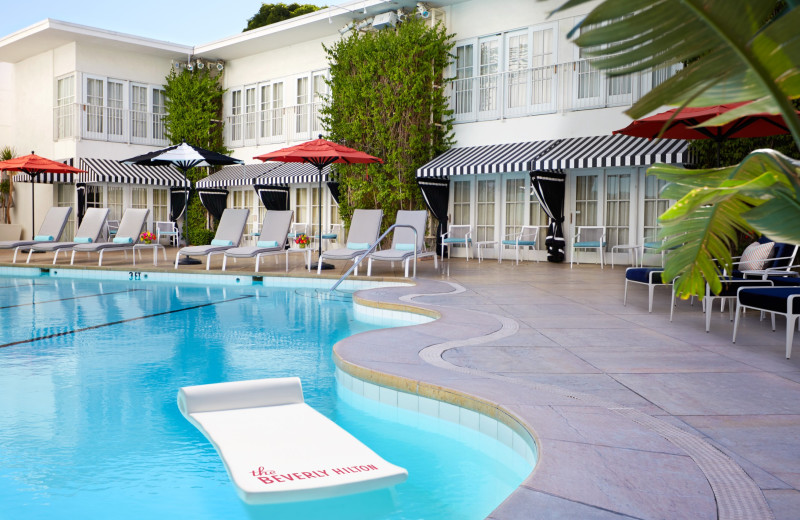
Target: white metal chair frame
(463, 233)
(166, 228)
(576, 244)
(525, 238)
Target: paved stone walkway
(634, 416)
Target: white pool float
(278, 449)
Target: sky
(188, 22)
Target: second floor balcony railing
(275, 125)
(541, 90)
(82, 121)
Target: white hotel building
(86, 94)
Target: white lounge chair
(271, 239)
(127, 235)
(364, 230)
(229, 234)
(90, 231)
(50, 231)
(278, 449)
(404, 244)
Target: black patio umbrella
(183, 156)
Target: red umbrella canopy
(33, 165)
(319, 152)
(680, 126)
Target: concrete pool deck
(634, 416)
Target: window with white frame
(264, 112)
(586, 200)
(302, 100)
(114, 202)
(65, 198)
(463, 84)
(236, 115)
(461, 203)
(160, 205)
(488, 69)
(250, 113)
(654, 206)
(243, 199)
(138, 111)
(115, 104)
(277, 109)
(485, 206)
(95, 101)
(139, 198)
(307, 209)
(516, 198)
(320, 93)
(159, 111)
(65, 107)
(618, 209)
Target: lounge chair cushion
(44, 238)
(357, 245)
(782, 251)
(770, 298)
(267, 243)
(83, 240)
(123, 240)
(784, 281)
(589, 244)
(642, 275)
(521, 242)
(755, 256)
(218, 242)
(449, 240)
(404, 247)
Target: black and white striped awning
(238, 175)
(495, 158)
(48, 178)
(107, 170)
(557, 154)
(294, 173)
(607, 151)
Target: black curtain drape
(80, 193)
(549, 188)
(333, 186)
(436, 193)
(177, 202)
(273, 197)
(215, 201)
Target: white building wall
(7, 104)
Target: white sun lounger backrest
(54, 222)
(92, 223)
(231, 225)
(275, 227)
(402, 237)
(132, 223)
(365, 226)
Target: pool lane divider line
(72, 298)
(22, 285)
(68, 332)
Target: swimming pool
(89, 427)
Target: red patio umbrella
(33, 165)
(680, 126)
(319, 152)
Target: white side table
(294, 250)
(155, 246)
(479, 246)
(627, 247)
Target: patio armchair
(457, 234)
(589, 237)
(775, 300)
(168, 229)
(526, 237)
(652, 278)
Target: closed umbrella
(319, 152)
(33, 166)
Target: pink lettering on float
(272, 477)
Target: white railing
(555, 88)
(276, 125)
(81, 121)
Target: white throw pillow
(755, 256)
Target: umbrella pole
(322, 265)
(186, 260)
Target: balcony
(277, 125)
(98, 123)
(545, 90)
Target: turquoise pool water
(89, 426)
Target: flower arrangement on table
(301, 240)
(147, 237)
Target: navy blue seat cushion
(785, 281)
(770, 298)
(731, 285)
(642, 274)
